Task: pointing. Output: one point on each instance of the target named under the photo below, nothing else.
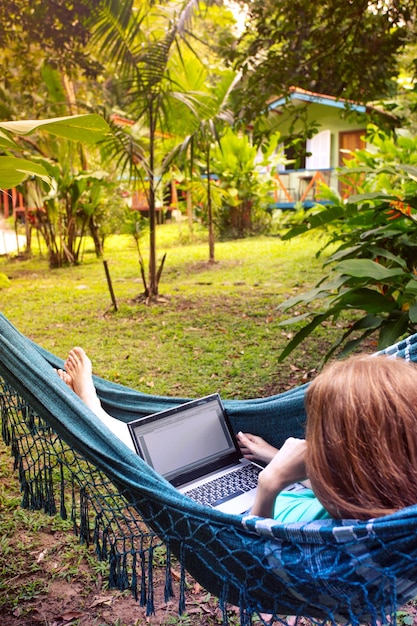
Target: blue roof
(308, 96)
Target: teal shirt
(298, 505)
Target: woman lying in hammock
(360, 451)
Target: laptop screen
(187, 441)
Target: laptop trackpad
(236, 504)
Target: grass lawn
(215, 328)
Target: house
(341, 127)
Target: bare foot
(65, 377)
(255, 448)
(79, 376)
(79, 370)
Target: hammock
(69, 462)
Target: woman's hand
(255, 448)
(287, 467)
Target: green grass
(216, 326)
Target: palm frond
(153, 63)
(186, 15)
(119, 31)
(123, 151)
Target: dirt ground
(58, 583)
(67, 604)
(48, 578)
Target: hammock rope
(70, 463)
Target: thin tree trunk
(98, 245)
(153, 283)
(28, 231)
(72, 104)
(189, 199)
(188, 193)
(210, 211)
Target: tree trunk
(210, 211)
(153, 282)
(98, 246)
(28, 232)
(189, 199)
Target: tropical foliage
(56, 223)
(246, 173)
(55, 29)
(14, 170)
(373, 270)
(161, 89)
(160, 74)
(326, 47)
(194, 154)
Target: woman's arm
(287, 467)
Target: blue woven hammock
(335, 570)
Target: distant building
(341, 130)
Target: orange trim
(284, 189)
(317, 176)
(5, 202)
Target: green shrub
(374, 268)
(245, 174)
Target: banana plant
(245, 171)
(88, 128)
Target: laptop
(193, 446)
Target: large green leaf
(373, 195)
(316, 220)
(386, 254)
(322, 291)
(411, 288)
(14, 171)
(368, 324)
(410, 169)
(365, 268)
(412, 313)
(343, 253)
(392, 331)
(367, 300)
(88, 128)
(305, 331)
(295, 231)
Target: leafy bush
(374, 268)
(245, 173)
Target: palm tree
(216, 115)
(146, 45)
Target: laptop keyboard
(226, 487)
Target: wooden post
(113, 299)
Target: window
(296, 153)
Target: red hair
(362, 436)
